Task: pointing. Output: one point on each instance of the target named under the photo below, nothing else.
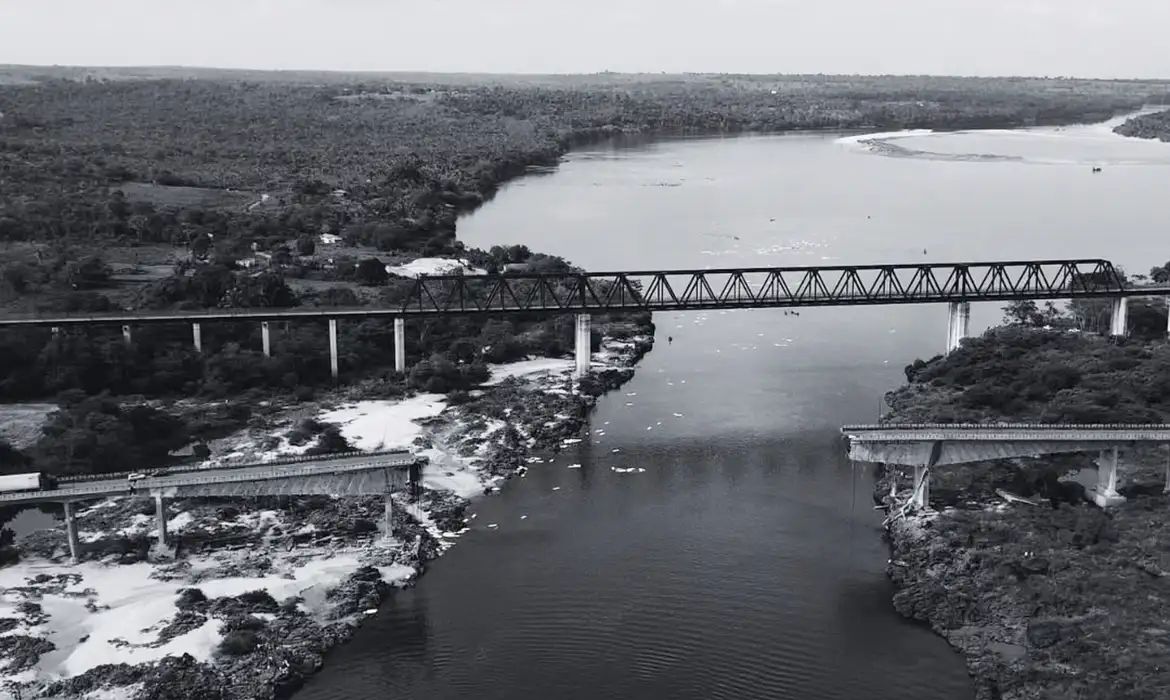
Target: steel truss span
(672, 290)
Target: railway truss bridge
(584, 293)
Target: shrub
(239, 643)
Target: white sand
(384, 425)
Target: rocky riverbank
(258, 591)
(1147, 126)
(1059, 599)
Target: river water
(745, 561)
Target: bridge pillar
(197, 336)
(582, 345)
(958, 324)
(265, 339)
(921, 491)
(400, 345)
(1117, 320)
(333, 347)
(71, 532)
(388, 517)
(126, 334)
(1105, 493)
(160, 514)
(1168, 317)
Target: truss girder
(762, 287)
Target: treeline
(391, 165)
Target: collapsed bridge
(928, 445)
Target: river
(745, 561)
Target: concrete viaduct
(583, 293)
(928, 445)
(351, 474)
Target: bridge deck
(681, 290)
(937, 444)
(1008, 432)
(198, 480)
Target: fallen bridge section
(929, 445)
(377, 474)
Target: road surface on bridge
(175, 482)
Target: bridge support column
(1117, 320)
(1168, 317)
(197, 336)
(266, 339)
(333, 347)
(583, 350)
(388, 517)
(958, 324)
(71, 532)
(400, 345)
(160, 514)
(126, 334)
(1105, 493)
(921, 491)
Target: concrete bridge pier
(921, 491)
(160, 514)
(958, 324)
(71, 532)
(400, 345)
(582, 346)
(388, 516)
(266, 339)
(126, 334)
(1118, 317)
(197, 336)
(333, 347)
(1105, 492)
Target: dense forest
(171, 188)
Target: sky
(1084, 38)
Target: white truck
(32, 481)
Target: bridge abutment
(958, 324)
(265, 339)
(400, 345)
(197, 336)
(582, 345)
(1118, 317)
(333, 348)
(71, 532)
(1105, 492)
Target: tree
(306, 245)
(371, 272)
(1160, 274)
(201, 245)
(88, 273)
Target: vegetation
(1147, 126)
(187, 190)
(1041, 367)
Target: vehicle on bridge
(32, 481)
